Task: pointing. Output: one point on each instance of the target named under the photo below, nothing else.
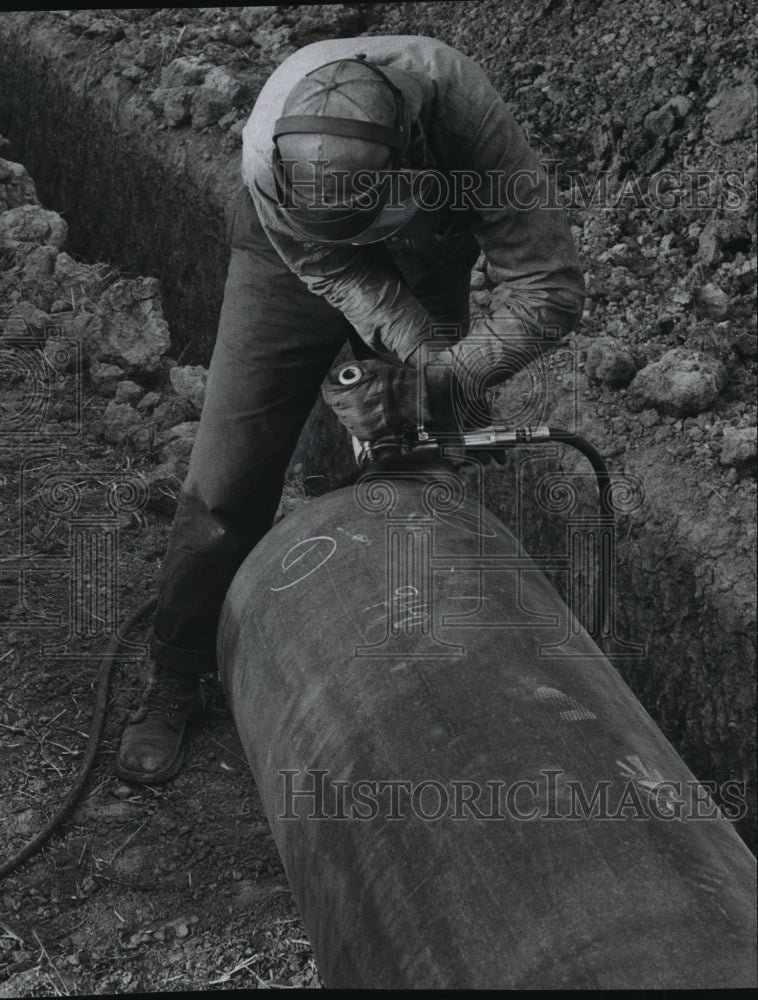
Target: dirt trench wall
(147, 199)
(150, 202)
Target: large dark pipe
(428, 746)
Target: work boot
(151, 745)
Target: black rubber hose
(595, 459)
(96, 730)
(490, 437)
(605, 568)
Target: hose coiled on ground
(96, 730)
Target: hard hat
(338, 154)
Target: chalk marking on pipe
(648, 779)
(370, 607)
(415, 616)
(545, 693)
(573, 711)
(420, 617)
(459, 519)
(577, 714)
(289, 564)
(397, 597)
(416, 887)
(639, 772)
(417, 613)
(364, 539)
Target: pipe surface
(463, 791)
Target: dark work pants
(276, 341)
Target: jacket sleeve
(519, 225)
(373, 298)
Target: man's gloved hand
(376, 398)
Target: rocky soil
(111, 271)
(173, 888)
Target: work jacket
(469, 130)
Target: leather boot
(151, 745)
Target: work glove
(375, 399)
